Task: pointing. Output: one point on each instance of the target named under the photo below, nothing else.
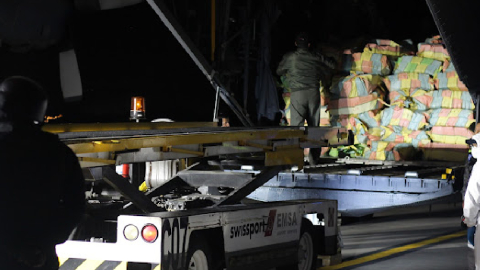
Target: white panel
(70, 76)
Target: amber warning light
(137, 109)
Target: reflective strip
(89, 264)
(121, 266)
(83, 264)
(62, 260)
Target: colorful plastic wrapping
(409, 81)
(400, 98)
(390, 49)
(324, 116)
(434, 51)
(437, 39)
(352, 123)
(371, 63)
(447, 99)
(418, 65)
(355, 85)
(450, 135)
(370, 119)
(450, 118)
(386, 42)
(356, 105)
(396, 116)
(429, 113)
(398, 134)
(449, 80)
(381, 150)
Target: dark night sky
(127, 52)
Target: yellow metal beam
(174, 140)
(97, 160)
(292, 156)
(84, 127)
(261, 146)
(183, 151)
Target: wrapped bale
(324, 116)
(449, 80)
(352, 123)
(447, 99)
(400, 98)
(396, 116)
(370, 119)
(384, 46)
(356, 94)
(409, 81)
(437, 39)
(434, 51)
(450, 118)
(371, 63)
(355, 85)
(417, 64)
(450, 135)
(356, 105)
(381, 150)
(398, 134)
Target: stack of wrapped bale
(360, 109)
(355, 102)
(450, 108)
(430, 105)
(361, 93)
(402, 124)
(428, 110)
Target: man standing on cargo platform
(42, 197)
(303, 71)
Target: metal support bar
(184, 151)
(169, 20)
(123, 186)
(160, 190)
(99, 160)
(217, 105)
(168, 186)
(214, 178)
(252, 185)
(261, 146)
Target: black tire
(199, 256)
(307, 249)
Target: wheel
(307, 249)
(199, 256)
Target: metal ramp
(363, 188)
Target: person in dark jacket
(42, 197)
(303, 70)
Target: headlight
(130, 232)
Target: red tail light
(149, 233)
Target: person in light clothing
(471, 207)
